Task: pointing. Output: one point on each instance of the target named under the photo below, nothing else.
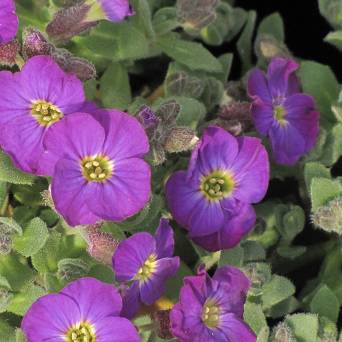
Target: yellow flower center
(45, 112)
(279, 115)
(96, 168)
(211, 313)
(147, 270)
(217, 185)
(81, 332)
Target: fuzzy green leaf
(304, 326)
(315, 170)
(274, 25)
(254, 317)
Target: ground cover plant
(169, 170)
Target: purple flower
(31, 102)
(281, 112)
(112, 10)
(8, 21)
(85, 310)
(97, 166)
(211, 309)
(145, 263)
(212, 199)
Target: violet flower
(211, 309)
(97, 166)
(31, 102)
(145, 263)
(9, 21)
(212, 199)
(85, 310)
(281, 112)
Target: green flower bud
(282, 333)
(180, 139)
(329, 216)
(5, 239)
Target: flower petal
(263, 116)
(164, 239)
(131, 301)
(116, 10)
(95, 299)
(153, 288)
(131, 255)
(40, 325)
(125, 193)
(257, 86)
(9, 21)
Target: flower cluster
(212, 199)
(281, 112)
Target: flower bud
(329, 216)
(282, 333)
(161, 319)
(5, 239)
(194, 15)
(8, 53)
(236, 90)
(71, 269)
(180, 139)
(268, 47)
(34, 43)
(181, 84)
(147, 118)
(168, 112)
(235, 117)
(101, 245)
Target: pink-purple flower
(31, 102)
(8, 21)
(97, 166)
(112, 10)
(212, 199)
(145, 263)
(281, 112)
(211, 309)
(85, 310)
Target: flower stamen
(279, 115)
(147, 270)
(96, 168)
(81, 332)
(211, 313)
(217, 185)
(45, 112)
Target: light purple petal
(75, 136)
(182, 198)
(257, 86)
(164, 239)
(95, 299)
(50, 317)
(153, 289)
(9, 21)
(70, 192)
(232, 232)
(116, 10)
(131, 255)
(263, 116)
(116, 329)
(125, 137)
(125, 193)
(235, 329)
(251, 170)
(131, 301)
(278, 73)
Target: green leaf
(274, 25)
(254, 317)
(233, 257)
(334, 38)
(319, 81)
(323, 190)
(333, 146)
(8, 173)
(315, 170)
(174, 284)
(165, 20)
(304, 326)
(277, 290)
(244, 44)
(115, 87)
(325, 303)
(253, 251)
(102, 272)
(226, 61)
(263, 335)
(143, 18)
(6, 332)
(20, 336)
(11, 223)
(25, 298)
(194, 55)
(33, 238)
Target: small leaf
(193, 55)
(233, 257)
(10, 222)
(8, 173)
(304, 326)
(335, 38)
(273, 24)
(33, 238)
(254, 317)
(315, 170)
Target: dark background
(305, 29)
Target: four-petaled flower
(212, 199)
(211, 309)
(85, 310)
(145, 263)
(97, 166)
(8, 21)
(281, 112)
(31, 102)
